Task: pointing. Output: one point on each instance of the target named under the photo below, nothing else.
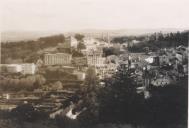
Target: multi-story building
(94, 58)
(28, 68)
(14, 68)
(68, 45)
(57, 59)
(71, 41)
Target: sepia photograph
(94, 63)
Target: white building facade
(26, 68)
(72, 41)
(57, 59)
(14, 68)
(94, 58)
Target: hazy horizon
(99, 29)
(33, 35)
(71, 15)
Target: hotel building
(57, 59)
(94, 58)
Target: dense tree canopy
(27, 50)
(53, 39)
(91, 78)
(155, 41)
(79, 37)
(119, 103)
(81, 46)
(111, 51)
(28, 83)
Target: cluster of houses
(62, 56)
(168, 65)
(92, 56)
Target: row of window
(55, 59)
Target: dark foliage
(20, 83)
(124, 39)
(26, 50)
(52, 40)
(119, 103)
(91, 79)
(155, 41)
(79, 37)
(111, 51)
(59, 75)
(116, 99)
(27, 112)
(81, 46)
(77, 54)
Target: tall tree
(116, 99)
(81, 46)
(91, 78)
(79, 37)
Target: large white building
(14, 68)
(57, 59)
(26, 68)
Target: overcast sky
(68, 15)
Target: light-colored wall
(57, 59)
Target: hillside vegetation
(154, 41)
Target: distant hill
(122, 32)
(33, 35)
(23, 35)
